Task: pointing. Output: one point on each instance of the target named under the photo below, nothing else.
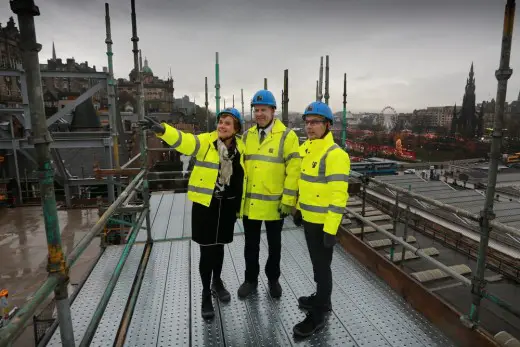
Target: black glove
(329, 240)
(298, 219)
(149, 123)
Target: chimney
(105, 69)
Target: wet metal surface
(366, 312)
(170, 215)
(23, 246)
(23, 252)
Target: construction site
(100, 253)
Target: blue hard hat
(318, 108)
(263, 97)
(232, 112)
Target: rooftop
(366, 312)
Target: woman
(216, 187)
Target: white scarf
(226, 163)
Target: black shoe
(246, 288)
(307, 302)
(207, 305)
(275, 289)
(312, 323)
(218, 287)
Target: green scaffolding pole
(217, 84)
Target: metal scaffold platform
(366, 312)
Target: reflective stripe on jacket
(205, 172)
(273, 168)
(323, 184)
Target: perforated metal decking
(366, 312)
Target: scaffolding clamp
(46, 139)
(477, 288)
(489, 214)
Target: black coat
(215, 224)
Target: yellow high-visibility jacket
(323, 185)
(205, 172)
(272, 170)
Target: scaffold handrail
(98, 227)
(458, 211)
(419, 252)
(125, 165)
(17, 324)
(102, 305)
(11, 331)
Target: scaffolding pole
(217, 84)
(242, 99)
(103, 302)
(320, 79)
(140, 117)
(206, 103)
(26, 10)
(285, 114)
(16, 166)
(344, 125)
(327, 79)
(486, 215)
(111, 89)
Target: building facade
(10, 58)
(158, 93)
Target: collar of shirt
(266, 130)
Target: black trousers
(252, 249)
(321, 258)
(211, 259)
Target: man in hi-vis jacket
(322, 197)
(272, 166)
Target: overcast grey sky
(403, 53)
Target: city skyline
(387, 62)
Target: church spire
(53, 51)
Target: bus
(375, 168)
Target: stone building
(10, 57)
(158, 93)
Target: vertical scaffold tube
(502, 75)
(285, 115)
(327, 79)
(26, 10)
(111, 89)
(206, 103)
(217, 84)
(140, 117)
(344, 119)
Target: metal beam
(70, 106)
(59, 143)
(28, 156)
(59, 74)
(74, 182)
(11, 110)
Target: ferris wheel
(388, 118)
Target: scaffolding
(135, 197)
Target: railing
(17, 324)
(405, 245)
